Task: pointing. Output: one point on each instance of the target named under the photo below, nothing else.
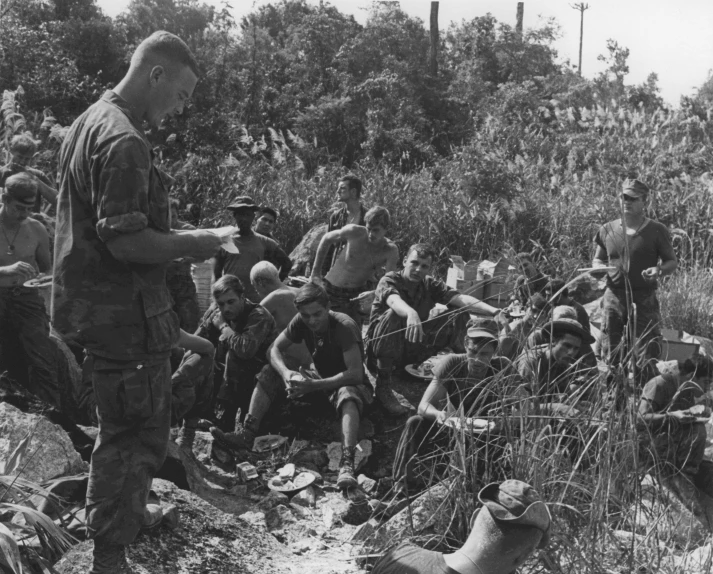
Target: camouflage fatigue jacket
(109, 187)
(249, 337)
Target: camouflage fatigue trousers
(386, 338)
(615, 317)
(192, 388)
(134, 410)
(340, 300)
(23, 319)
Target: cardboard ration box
(463, 277)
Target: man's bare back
(23, 245)
(361, 260)
(281, 305)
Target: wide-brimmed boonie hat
(242, 202)
(516, 502)
(564, 320)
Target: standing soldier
(113, 242)
(640, 251)
(353, 211)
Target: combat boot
(109, 559)
(347, 478)
(385, 394)
(242, 438)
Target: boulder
(273, 499)
(278, 517)
(427, 515)
(207, 540)
(35, 448)
(313, 457)
(367, 484)
(676, 509)
(303, 255)
(306, 497)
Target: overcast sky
(673, 39)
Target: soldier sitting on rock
(335, 343)
(512, 522)
(673, 412)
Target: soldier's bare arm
(42, 253)
(150, 246)
(331, 238)
(392, 257)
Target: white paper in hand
(229, 246)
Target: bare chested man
(279, 300)
(368, 251)
(24, 251)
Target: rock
(186, 471)
(334, 451)
(675, 510)
(300, 511)
(367, 484)
(272, 500)
(303, 255)
(256, 519)
(426, 512)
(208, 540)
(366, 429)
(365, 531)
(239, 490)
(357, 513)
(34, 447)
(278, 517)
(306, 497)
(317, 458)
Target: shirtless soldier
(368, 251)
(24, 250)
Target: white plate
(606, 269)
(39, 282)
(469, 424)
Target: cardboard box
(674, 348)
(463, 277)
(498, 280)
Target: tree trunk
(433, 57)
(520, 14)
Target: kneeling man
(335, 343)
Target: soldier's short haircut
(353, 182)
(21, 187)
(228, 283)
(423, 251)
(23, 143)
(269, 211)
(264, 272)
(311, 293)
(378, 216)
(166, 47)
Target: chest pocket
(159, 213)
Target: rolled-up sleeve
(122, 201)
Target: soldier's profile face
(21, 158)
(15, 209)
(376, 232)
(171, 89)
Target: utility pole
(433, 56)
(581, 7)
(520, 15)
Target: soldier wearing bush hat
(252, 248)
(513, 522)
